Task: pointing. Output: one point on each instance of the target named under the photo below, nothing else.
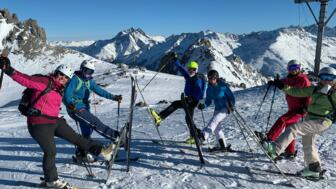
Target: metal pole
(320, 32)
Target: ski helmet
(213, 74)
(327, 74)
(293, 65)
(87, 64)
(192, 65)
(67, 71)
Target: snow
(4, 30)
(159, 166)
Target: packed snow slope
(159, 166)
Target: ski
(125, 135)
(148, 109)
(128, 136)
(192, 128)
(115, 151)
(43, 184)
(258, 170)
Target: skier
(194, 90)
(219, 92)
(45, 125)
(297, 107)
(76, 99)
(321, 114)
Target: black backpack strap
(45, 91)
(333, 114)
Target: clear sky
(103, 19)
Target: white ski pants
(308, 129)
(214, 126)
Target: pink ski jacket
(49, 104)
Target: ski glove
(201, 106)
(271, 82)
(173, 56)
(5, 65)
(230, 109)
(71, 107)
(278, 83)
(117, 98)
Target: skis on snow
(148, 108)
(125, 135)
(259, 170)
(192, 128)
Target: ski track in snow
(162, 166)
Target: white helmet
(65, 70)
(328, 71)
(88, 64)
(293, 62)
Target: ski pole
(272, 102)
(118, 115)
(4, 53)
(270, 112)
(262, 101)
(204, 127)
(242, 131)
(86, 165)
(162, 67)
(255, 138)
(148, 109)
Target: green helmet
(192, 64)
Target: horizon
(72, 20)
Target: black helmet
(212, 74)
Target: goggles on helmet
(293, 67)
(327, 77)
(87, 71)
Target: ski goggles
(327, 77)
(293, 67)
(87, 71)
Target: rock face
(26, 37)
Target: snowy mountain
(31, 54)
(126, 44)
(242, 59)
(269, 51)
(75, 45)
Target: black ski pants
(44, 135)
(177, 105)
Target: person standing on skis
(219, 93)
(44, 123)
(194, 90)
(321, 114)
(297, 107)
(76, 99)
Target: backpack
(26, 106)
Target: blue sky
(103, 19)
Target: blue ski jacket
(78, 90)
(195, 86)
(221, 95)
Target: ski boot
(312, 172)
(155, 116)
(107, 152)
(59, 183)
(287, 155)
(82, 157)
(261, 136)
(190, 140)
(221, 147)
(270, 149)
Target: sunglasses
(87, 71)
(293, 67)
(327, 77)
(62, 74)
(192, 69)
